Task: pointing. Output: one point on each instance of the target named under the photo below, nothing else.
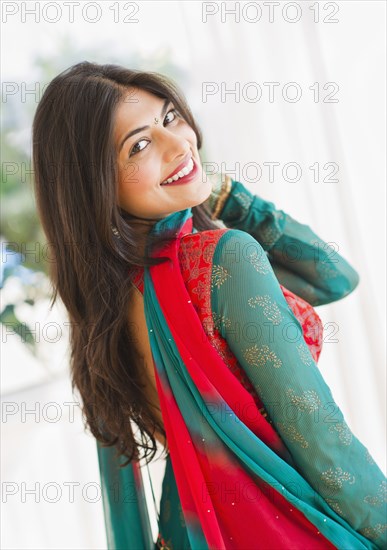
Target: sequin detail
(270, 309)
(345, 434)
(334, 478)
(260, 356)
(309, 401)
(380, 497)
(288, 431)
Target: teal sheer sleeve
(251, 313)
(302, 262)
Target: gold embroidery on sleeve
(290, 432)
(334, 505)
(260, 356)
(345, 434)
(270, 308)
(380, 497)
(219, 275)
(374, 532)
(221, 321)
(334, 478)
(304, 354)
(309, 401)
(259, 262)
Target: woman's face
(147, 158)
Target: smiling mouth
(182, 173)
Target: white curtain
(238, 132)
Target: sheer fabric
(302, 261)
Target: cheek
(133, 178)
(129, 174)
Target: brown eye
(174, 115)
(135, 148)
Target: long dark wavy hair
(93, 243)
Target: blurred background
(320, 67)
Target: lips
(180, 167)
(185, 179)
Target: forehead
(137, 108)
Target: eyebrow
(137, 130)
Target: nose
(174, 146)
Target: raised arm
(302, 261)
(251, 313)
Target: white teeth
(186, 170)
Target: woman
(199, 333)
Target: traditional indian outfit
(260, 455)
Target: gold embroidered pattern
(335, 478)
(375, 531)
(345, 434)
(334, 505)
(304, 354)
(219, 275)
(380, 497)
(221, 321)
(290, 432)
(259, 262)
(309, 401)
(270, 309)
(244, 200)
(260, 356)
